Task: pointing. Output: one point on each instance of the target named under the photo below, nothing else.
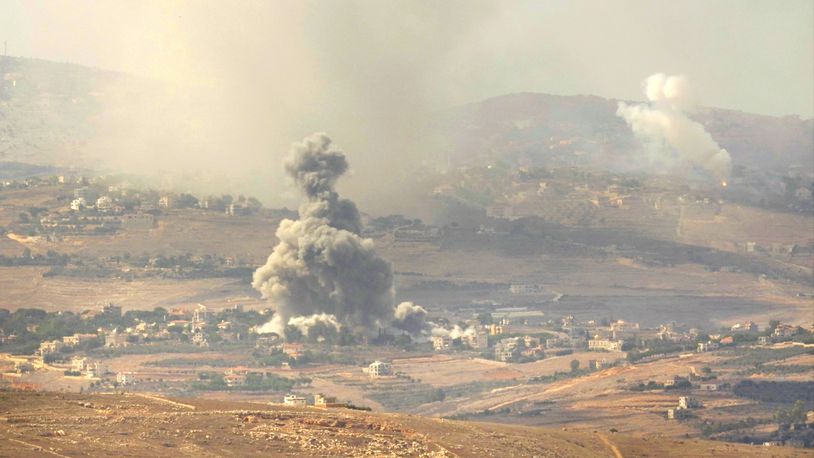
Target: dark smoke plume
(321, 265)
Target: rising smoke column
(322, 268)
(663, 126)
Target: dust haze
(210, 97)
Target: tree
(485, 318)
(186, 201)
(772, 325)
(574, 365)
(292, 334)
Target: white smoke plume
(671, 137)
(410, 317)
(322, 320)
(454, 333)
(321, 266)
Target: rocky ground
(57, 424)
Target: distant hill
(46, 108)
(48, 112)
(541, 129)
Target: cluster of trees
(710, 428)
(210, 381)
(772, 391)
(51, 258)
(789, 418)
(653, 385)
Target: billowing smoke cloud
(322, 266)
(671, 137)
(410, 317)
(455, 333)
(320, 323)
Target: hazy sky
(749, 55)
(250, 78)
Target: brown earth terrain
(70, 425)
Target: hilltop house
(378, 369)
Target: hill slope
(37, 424)
(49, 111)
(542, 129)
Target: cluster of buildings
(319, 401)
(196, 325)
(513, 348)
(88, 367)
(56, 346)
(474, 338)
(7, 338)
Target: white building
(48, 347)
(126, 378)
(294, 400)
(525, 289)
(115, 339)
(379, 369)
(104, 203)
(686, 402)
(441, 343)
(78, 204)
(604, 344)
(479, 340)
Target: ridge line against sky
(753, 56)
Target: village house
(78, 204)
(127, 378)
(687, 402)
(267, 342)
(104, 204)
(324, 402)
(677, 414)
(78, 363)
(293, 350)
(441, 343)
(199, 339)
(622, 325)
(746, 326)
(115, 339)
(77, 339)
(784, 330)
(478, 341)
(526, 289)
(95, 369)
(378, 369)
(519, 316)
(605, 344)
(49, 347)
(233, 380)
(294, 400)
(682, 410)
(703, 347)
(165, 202)
(507, 349)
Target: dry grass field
(43, 424)
(26, 287)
